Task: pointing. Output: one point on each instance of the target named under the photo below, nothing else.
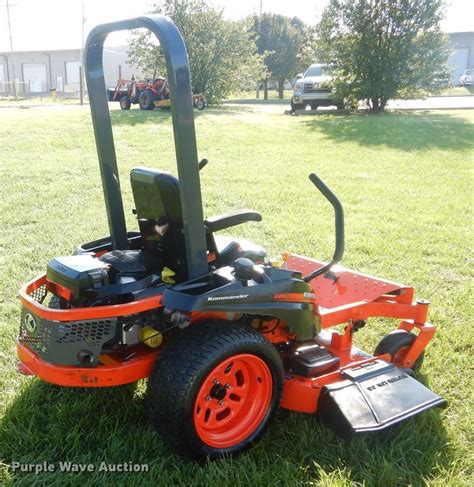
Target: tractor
(149, 94)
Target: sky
(57, 24)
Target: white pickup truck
(313, 88)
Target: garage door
(34, 76)
(3, 86)
(72, 72)
(458, 63)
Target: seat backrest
(158, 207)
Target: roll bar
(339, 217)
(183, 126)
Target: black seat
(158, 208)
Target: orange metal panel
(134, 369)
(75, 314)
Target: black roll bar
(184, 134)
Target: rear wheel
(397, 344)
(125, 103)
(214, 389)
(146, 100)
(201, 104)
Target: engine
(113, 278)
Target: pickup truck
(313, 88)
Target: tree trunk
(281, 85)
(257, 90)
(375, 105)
(265, 89)
(378, 105)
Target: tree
(280, 42)
(222, 54)
(383, 49)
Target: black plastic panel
(373, 398)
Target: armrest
(220, 222)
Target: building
(39, 71)
(462, 58)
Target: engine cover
(78, 273)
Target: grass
(406, 183)
(457, 91)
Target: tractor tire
(396, 344)
(296, 106)
(146, 100)
(201, 104)
(125, 103)
(214, 389)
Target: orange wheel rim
(233, 401)
(399, 356)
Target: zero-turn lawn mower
(149, 94)
(224, 336)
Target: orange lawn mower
(224, 336)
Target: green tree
(222, 54)
(280, 41)
(383, 49)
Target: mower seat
(158, 208)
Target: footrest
(373, 397)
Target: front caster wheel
(397, 344)
(214, 389)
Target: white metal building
(39, 71)
(462, 58)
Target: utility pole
(8, 5)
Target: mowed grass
(406, 184)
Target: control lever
(202, 163)
(245, 270)
(339, 220)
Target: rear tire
(125, 103)
(214, 389)
(146, 100)
(397, 344)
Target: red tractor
(149, 94)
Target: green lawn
(406, 183)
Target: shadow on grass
(157, 116)
(50, 424)
(398, 130)
(254, 101)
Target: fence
(38, 89)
